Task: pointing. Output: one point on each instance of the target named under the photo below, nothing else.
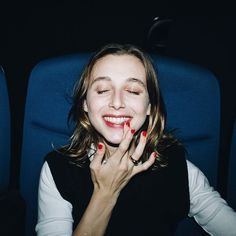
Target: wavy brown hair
(85, 138)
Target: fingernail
(128, 123)
(144, 133)
(132, 131)
(100, 146)
(155, 154)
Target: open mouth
(116, 121)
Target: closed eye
(102, 91)
(133, 92)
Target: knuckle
(93, 167)
(145, 167)
(136, 156)
(123, 168)
(122, 148)
(139, 149)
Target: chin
(115, 141)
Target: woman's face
(117, 94)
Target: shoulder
(58, 160)
(70, 179)
(175, 154)
(175, 149)
(55, 155)
(197, 179)
(175, 158)
(59, 165)
(45, 175)
(64, 169)
(58, 157)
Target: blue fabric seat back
(45, 123)
(232, 173)
(5, 123)
(192, 99)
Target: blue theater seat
(12, 208)
(192, 99)
(4, 133)
(232, 171)
(45, 123)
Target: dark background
(35, 30)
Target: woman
(122, 173)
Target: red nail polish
(155, 154)
(144, 133)
(100, 146)
(128, 123)
(132, 131)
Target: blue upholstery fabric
(232, 173)
(192, 98)
(45, 123)
(4, 133)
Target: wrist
(105, 196)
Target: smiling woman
(117, 87)
(118, 174)
(119, 96)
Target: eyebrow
(107, 78)
(136, 81)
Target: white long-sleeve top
(207, 207)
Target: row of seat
(192, 98)
(4, 132)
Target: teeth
(115, 120)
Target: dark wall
(37, 30)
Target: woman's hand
(111, 176)
(109, 179)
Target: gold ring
(135, 162)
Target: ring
(135, 162)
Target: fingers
(124, 144)
(126, 128)
(146, 165)
(139, 149)
(98, 157)
(122, 149)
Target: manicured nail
(132, 131)
(100, 146)
(155, 154)
(144, 133)
(128, 123)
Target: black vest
(152, 203)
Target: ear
(85, 106)
(149, 109)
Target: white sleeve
(207, 207)
(54, 213)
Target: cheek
(140, 106)
(94, 105)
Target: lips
(116, 121)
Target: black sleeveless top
(152, 203)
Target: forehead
(119, 66)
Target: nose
(117, 101)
